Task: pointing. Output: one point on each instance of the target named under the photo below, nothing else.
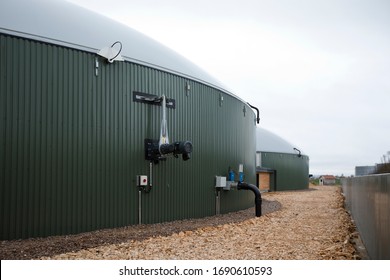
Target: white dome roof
(63, 23)
(267, 141)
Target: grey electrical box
(220, 182)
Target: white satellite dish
(112, 54)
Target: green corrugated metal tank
(287, 165)
(72, 131)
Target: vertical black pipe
(256, 191)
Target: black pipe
(257, 110)
(299, 155)
(256, 191)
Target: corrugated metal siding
(72, 143)
(292, 172)
(368, 199)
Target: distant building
(280, 166)
(327, 180)
(364, 170)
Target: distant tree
(384, 166)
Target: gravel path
(309, 224)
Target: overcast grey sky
(319, 71)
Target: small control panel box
(220, 182)
(142, 180)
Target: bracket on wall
(152, 99)
(151, 151)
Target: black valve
(184, 148)
(156, 152)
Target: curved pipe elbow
(256, 191)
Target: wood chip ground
(295, 225)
